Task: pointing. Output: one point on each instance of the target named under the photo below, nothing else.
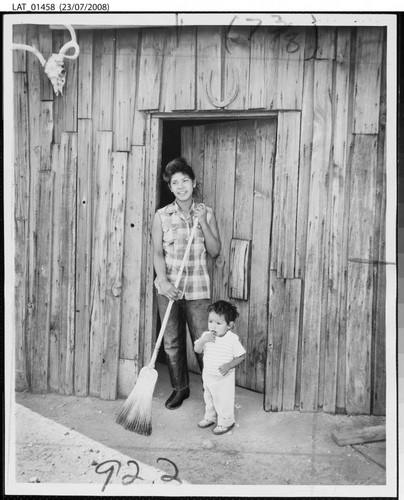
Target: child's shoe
(205, 423)
(220, 429)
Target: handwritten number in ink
(167, 477)
(253, 30)
(278, 18)
(110, 471)
(129, 478)
(292, 46)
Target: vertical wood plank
(167, 86)
(103, 78)
(133, 256)
(379, 308)
(286, 191)
(153, 162)
(184, 65)
(192, 150)
(244, 181)
(243, 215)
(21, 217)
(45, 48)
(239, 285)
(55, 318)
(43, 277)
(210, 167)
(209, 181)
(187, 134)
(85, 74)
(363, 183)
(322, 131)
(113, 291)
(151, 58)
(276, 317)
(139, 117)
(293, 302)
(342, 345)
(257, 75)
(326, 42)
(125, 88)
(101, 208)
(46, 133)
(360, 274)
(359, 329)
(128, 370)
(65, 106)
(34, 69)
(209, 69)
(67, 260)
(369, 45)
(185, 70)
(226, 157)
(283, 334)
(271, 68)
(337, 262)
(257, 70)
(198, 150)
(260, 258)
(19, 56)
(290, 70)
(139, 126)
(237, 66)
(306, 148)
(83, 257)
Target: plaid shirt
(195, 282)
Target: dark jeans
(183, 312)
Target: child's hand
(224, 369)
(210, 337)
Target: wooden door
(234, 165)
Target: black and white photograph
(201, 252)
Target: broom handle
(170, 304)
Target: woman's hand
(168, 290)
(201, 213)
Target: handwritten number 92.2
(110, 467)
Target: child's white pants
(219, 393)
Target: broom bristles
(135, 414)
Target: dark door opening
(234, 163)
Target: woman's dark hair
(224, 308)
(175, 166)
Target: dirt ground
(62, 439)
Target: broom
(135, 414)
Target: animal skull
(54, 67)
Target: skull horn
(29, 48)
(72, 44)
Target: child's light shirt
(222, 350)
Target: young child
(222, 352)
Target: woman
(172, 226)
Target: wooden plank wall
(82, 170)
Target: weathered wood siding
(86, 194)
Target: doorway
(234, 161)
